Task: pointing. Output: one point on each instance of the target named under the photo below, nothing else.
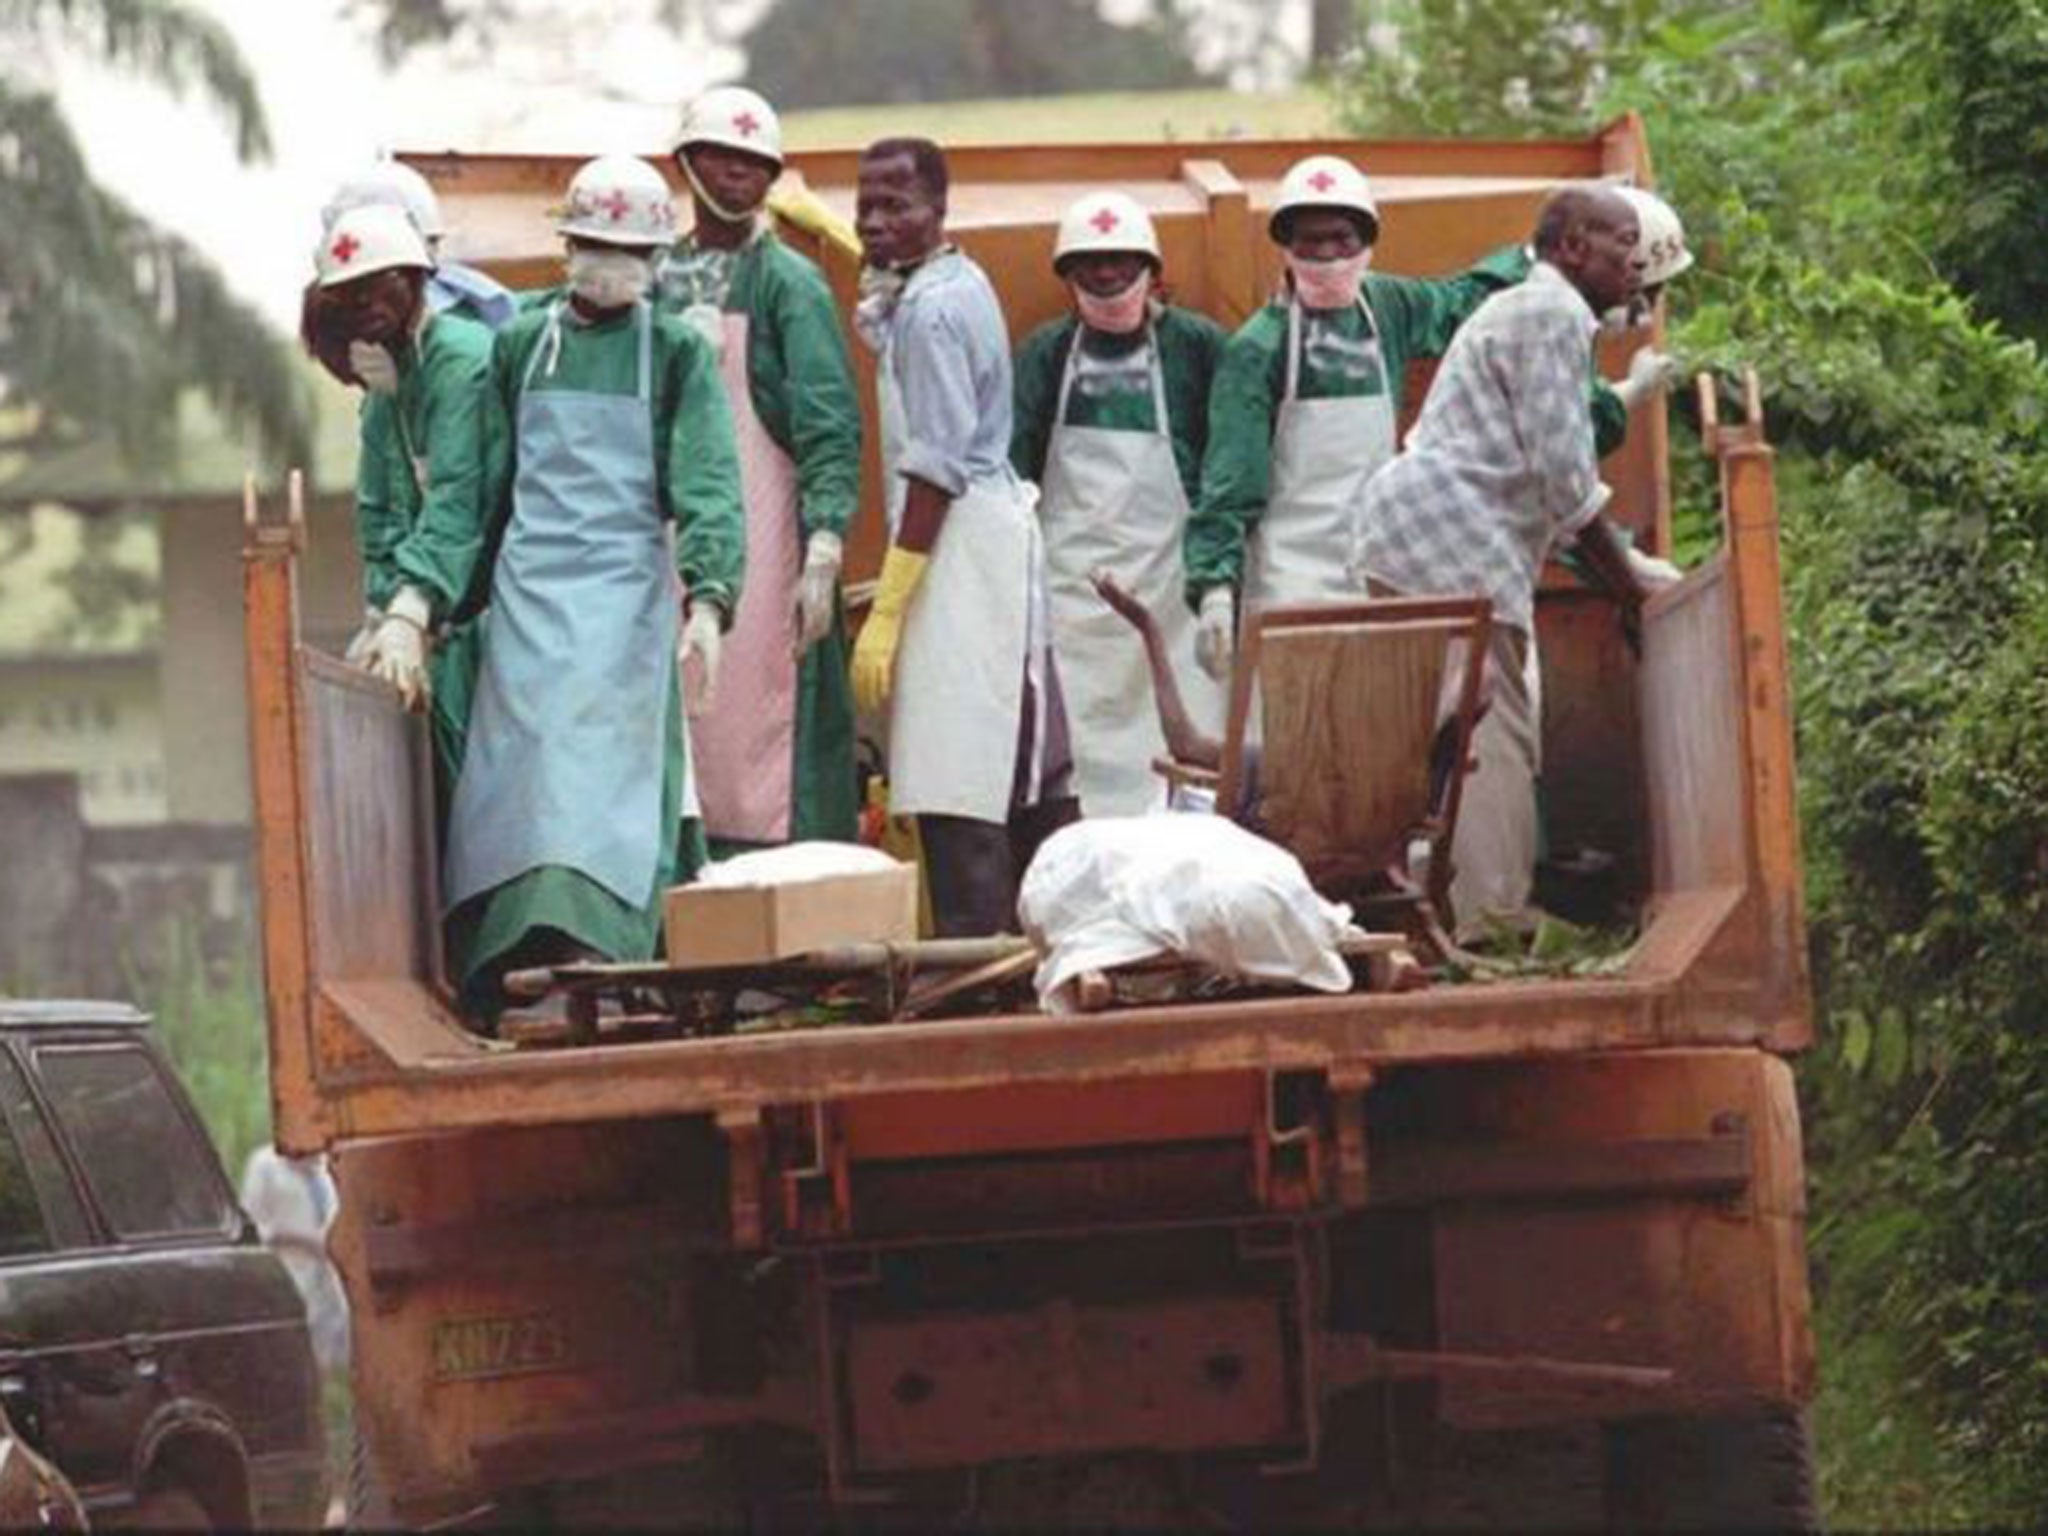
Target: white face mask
(609, 279)
(375, 366)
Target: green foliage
(171, 45)
(1484, 67)
(209, 1021)
(1984, 75)
(1861, 179)
(104, 317)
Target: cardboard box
(711, 925)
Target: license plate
(478, 1348)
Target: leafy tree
(400, 26)
(1989, 61)
(1500, 66)
(860, 51)
(1859, 195)
(105, 318)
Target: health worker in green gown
(774, 753)
(1305, 404)
(420, 466)
(1112, 416)
(619, 532)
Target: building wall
(93, 716)
(205, 714)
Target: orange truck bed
(917, 1249)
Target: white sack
(795, 863)
(1116, 889)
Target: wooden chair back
(1351, 698)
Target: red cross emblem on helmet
(1322, 181)
(616, 205)
(748, 124)
(1105, 220)
(344, 249)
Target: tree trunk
(1330, 28)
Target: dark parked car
(150, 1345)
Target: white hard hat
(735, 117)
(1662, 241)
(620, 200)
(388, 182)
(1105, 221)
(373, 238)
(1324, 181)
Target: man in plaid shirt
(1499, 471)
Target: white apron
(1113, 499)
(745, 745)
(1324, 451)
(977, 622)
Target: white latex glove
(697, 656)
(357, 652)
(1651, 572)
(375, 366)
(398, 650)
(817, 589)
(1216, 632)
(1650, 373)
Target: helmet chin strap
(729, 215)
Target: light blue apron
(568, 733)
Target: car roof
(60, 1013)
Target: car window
(39, 1209)
(149, 1171)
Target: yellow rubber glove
(803, 208)
(874, 654)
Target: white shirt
(1500, 467)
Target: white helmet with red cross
(732, 117)
(1105, 222)
(1324, 181)
(376, 237)
(620, 200)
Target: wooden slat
(1349, 714)
(1692, 735)
(270, 598)
(1764, 697)
(369, 800)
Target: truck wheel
(1752, 1472)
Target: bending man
(1112, 420)
(774, 747)
(956, 644)
(420, 485)
(575, 808)
(1499, 470)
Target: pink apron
(745, 745)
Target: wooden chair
(1353, 762)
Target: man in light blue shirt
(956, 647)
